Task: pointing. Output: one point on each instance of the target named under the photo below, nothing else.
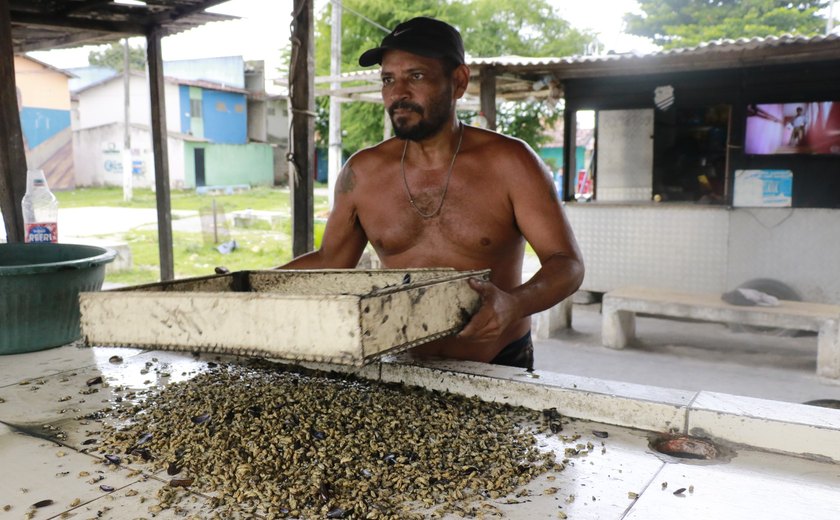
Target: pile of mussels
(263, 439)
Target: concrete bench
(547, 323)
(621, 305)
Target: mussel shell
(113, 459)
(201, 419)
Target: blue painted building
(220, 116)
(221, 131)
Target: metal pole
(569, 151)
(126, 158)
(215, 224)
(487, 95)
(334, 165)
(387, 126)
(829, 24)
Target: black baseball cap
(423, 36)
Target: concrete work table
(785, 462)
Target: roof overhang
(50, 24)
(520, 77)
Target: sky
(264, 29)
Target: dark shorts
(518, 354)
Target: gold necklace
(445, 186)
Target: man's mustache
(405, 105)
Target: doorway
(690, 154)
(199, 167)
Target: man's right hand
(498, 311)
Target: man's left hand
(497, 312)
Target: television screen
(793, 128)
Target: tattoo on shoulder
(346, 180)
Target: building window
(195, 108)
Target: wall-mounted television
(793, 128)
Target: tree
(489, 28)
(686, 23)
(113, 57)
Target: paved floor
(691, 356)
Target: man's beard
(438, 115)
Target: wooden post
(302, 98)
(12, 153)
(161, 153)
(487, 95)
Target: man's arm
(344, 239)
(542, 221)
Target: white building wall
(277, 120)
(103, 104)
(173, 107)
(98, 134)
(798, 247)
(98, 151)
(227, 70)
(690, 247)
(257, 126)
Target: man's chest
(466, 220)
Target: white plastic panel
(625, 155)
(798, 247)
(670, 247)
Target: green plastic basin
(39, 292)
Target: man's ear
(460, 79)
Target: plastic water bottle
(40, 210)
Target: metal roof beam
(126, 28)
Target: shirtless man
(798, 123)
(443, 194)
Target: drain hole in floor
(825, 403)
(685, 447)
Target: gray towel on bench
(749, 297)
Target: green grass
(261, 198)
(256, 249)
(261, 246)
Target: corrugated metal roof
(783, 43)
(51, 24)
(169, 79)
(518, 77)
